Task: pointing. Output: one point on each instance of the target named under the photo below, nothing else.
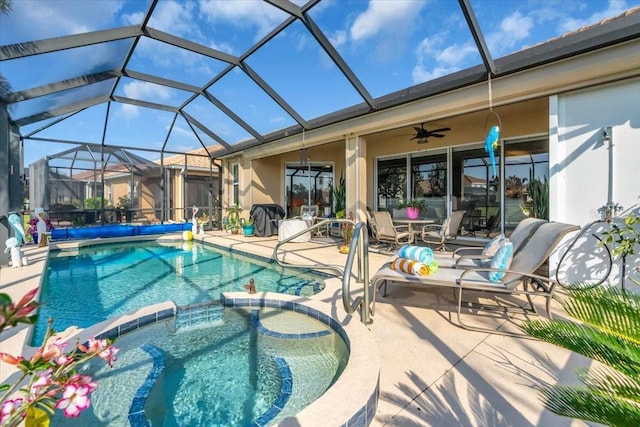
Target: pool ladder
(359, 249)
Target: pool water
(221, 373)
(94, 283)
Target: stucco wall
(580, 156)
(580, 167)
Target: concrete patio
(433, 373)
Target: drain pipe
(607, 136)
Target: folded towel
(416, 253)
(416, 268)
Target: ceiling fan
(422, 135)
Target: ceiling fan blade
(437, 135)
(439, 130)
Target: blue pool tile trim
(291, 306)
(132, 325)
(136, 411)
(256, 323)
(286, 389)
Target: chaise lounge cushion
(501, 260)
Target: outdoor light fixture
(606, 134)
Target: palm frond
(607, 381)
(585, 404)
(612, 350)
(612, 310)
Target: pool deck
(432, 372)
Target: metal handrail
(337, 268)
(359, 247)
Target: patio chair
(439, 235)
(518, 279)
(387, 232)
(373, 229)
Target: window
(475, 189)
(526, 165)
(235, 177)
(429, 183)
(392, 182)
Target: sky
(389, 45)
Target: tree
(609, 332)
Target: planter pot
(412, 212)
(248, 230)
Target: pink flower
(11, 360)
(109, 355)
(44, 380)
(94, 346)
(84, 380)
(54, 352)
(75, 398)
(10, 407)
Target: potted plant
(231, 222)
(202, 221)
(413, 206)
(347, 235)
(247, 227)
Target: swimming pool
(230, 367)
(90, 284)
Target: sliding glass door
(309, 184)
(492, 203)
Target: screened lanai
(163, 78)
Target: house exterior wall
(580, 164)
(265, 176)
(581, 156)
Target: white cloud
(175, 18)
(243, 14)
(129, 111)
(145, 90)
(614, 8)
(385, 16)
(444, 60)
(338, 38)
(456, 54)
(45, 19)
(513, 29)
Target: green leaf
(5, 300)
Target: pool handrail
(359, 247)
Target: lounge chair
(439, 235)
(387, 232)
(519, 278)
(469, 257)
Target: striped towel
(409, 266)
(416, 253)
